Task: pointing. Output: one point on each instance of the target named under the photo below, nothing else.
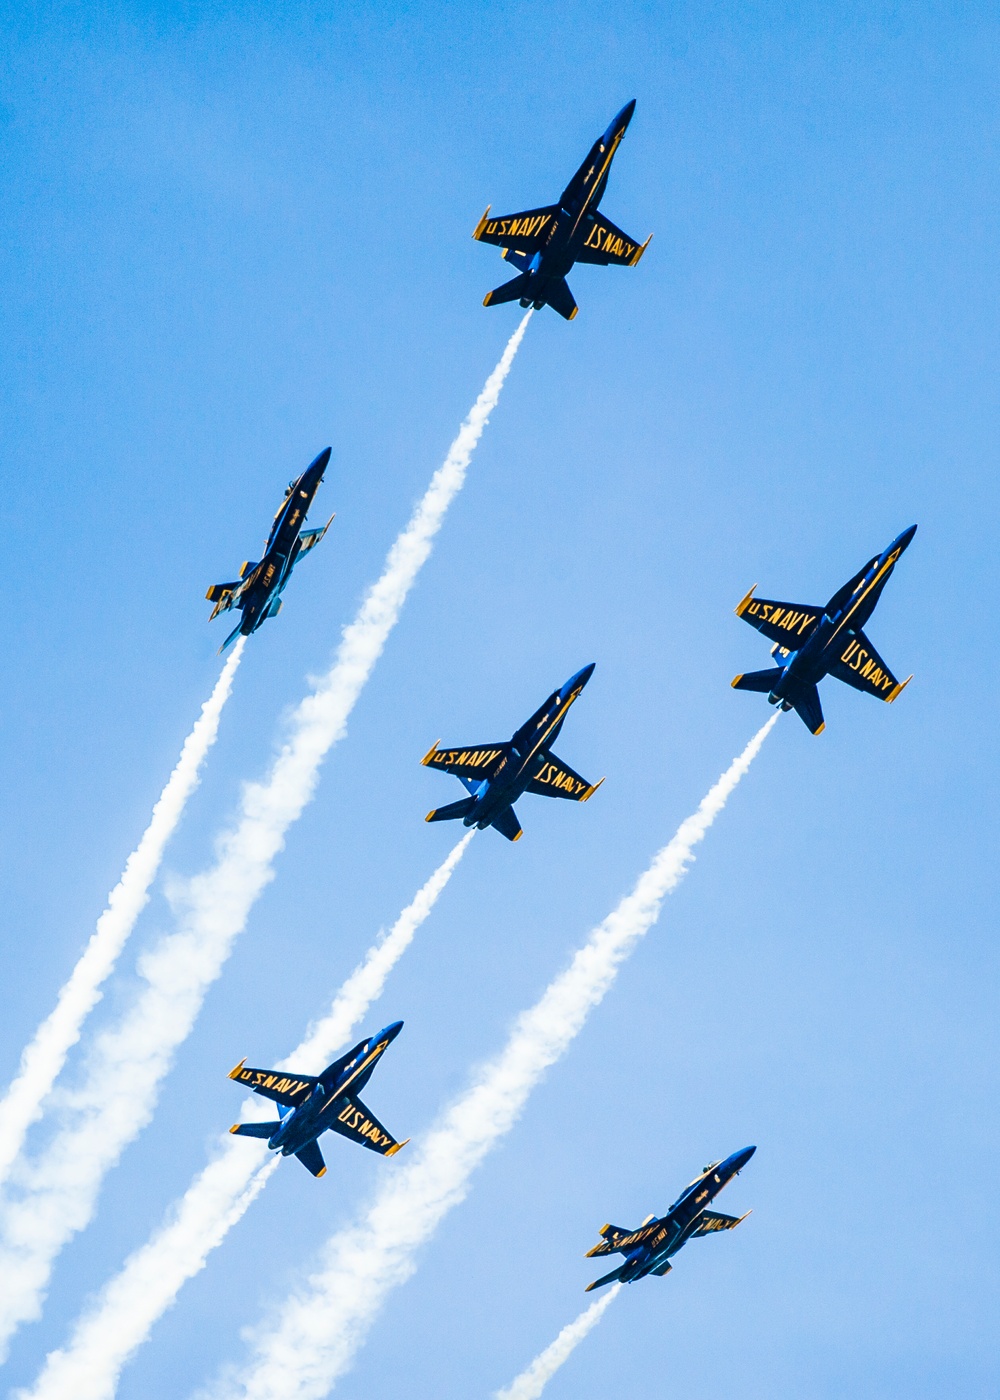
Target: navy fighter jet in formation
(498, 774)
(256, 593)
(649, 1249)
(314, 1103)
(543, 244)
(811, 642)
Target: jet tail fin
(510, 291)
(255, 1130)
(613, 1277)
(452, 811)
(764, 681)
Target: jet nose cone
(906, 537)
(392, 1031)
(625, 115)
(318, 466)
(578, 681)
(739, 1159)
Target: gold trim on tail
(321, 1172)
(819, 731)
(896, 690)
(393, 1150)
(744, 603)
(234, 1073)
(481, 225)
(639, 252)
(572, 314)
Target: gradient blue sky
(230, 237)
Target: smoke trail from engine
(45, 1054)
(532, 1381)
(58, 1191)
(301, 1348)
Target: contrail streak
(118, 1096)
(120, 1320)
(304, 1345)
(530, 1383)
(45, 1055)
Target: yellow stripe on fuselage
(342, 1088)
(858, 601)
(586, 203)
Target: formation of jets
(809, 643)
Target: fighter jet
(497, 774)
(256, 593)
(649, 1249)
(314, 1103)
(543, 244)
(811, 642)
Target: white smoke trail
(45, 1055)
(303, 1346)
(119, 1093)
(530, 1383)
(148, 1283)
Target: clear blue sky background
(230, 237)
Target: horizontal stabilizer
(452, 811)
(662, 1269)
(287, 1089)
(219, 592)
(860, 666)
(312, 1158)
(508, 825)
(231, 638)
(808, 708)
(764, 681)
(255, 1130)
(513, 290)
(358, 1123)
(557, 779)
(613, 1277)
(787, 623)
(560, 298)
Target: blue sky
(230, 238)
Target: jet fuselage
(265, 582)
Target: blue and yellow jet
(811, 642)
(649, 1249)
(257, 591)
(314, 1103)
(498, 774)
(545, 243)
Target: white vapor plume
(123, 1315)
(301, 1348)
(45, 1055)
(530, 1383)
(118, 1096)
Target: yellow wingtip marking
(744, 602)
(430, 752)
(820, 729)
(321, 1172)
(743, 1217)
(482, 224)
(235, 1128)
(487, 298)
(897, 689)
(591, 790)
(590, 1288)
(640, 251)
(518, 836)
(234, 1072)
(397, 1148)
(572, 314)
(736, 680)
(431, 815)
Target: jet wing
(525, 233)
(557, 779)
(711, 1221)
(310, 538)
(860, 665)
(287, 1089)
(477, 761)
(788, 624)
(604, 243)
(358, 1123)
